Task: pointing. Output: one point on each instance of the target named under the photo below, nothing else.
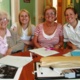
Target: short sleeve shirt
(51, 41)
(72, 35)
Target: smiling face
(70, 16)
(24, 18)
(50, 15)
(3, 21)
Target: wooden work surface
(27, 70)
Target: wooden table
(27, 70)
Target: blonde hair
(19, 25)
(4, 13)
(50, 7)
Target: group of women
(49, 34)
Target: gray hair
(4, 13)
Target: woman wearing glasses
(49, 33)
(9, 41)
(72, 28)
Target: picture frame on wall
(27, 1)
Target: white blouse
(24, 32)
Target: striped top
(48, 40)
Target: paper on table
(61, 61)
(67, 54)
(47, 72)
(43, 52)
(15, 60)
(73, 53)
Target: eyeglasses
(47, 14)
(4, 19)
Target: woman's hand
(74, 47)
(57, 46)
(26, 42)
(8, 52)
(14, 29)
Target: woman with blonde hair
(24, 27)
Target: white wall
(14, 10)
(40, 5)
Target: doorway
(54, 3)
